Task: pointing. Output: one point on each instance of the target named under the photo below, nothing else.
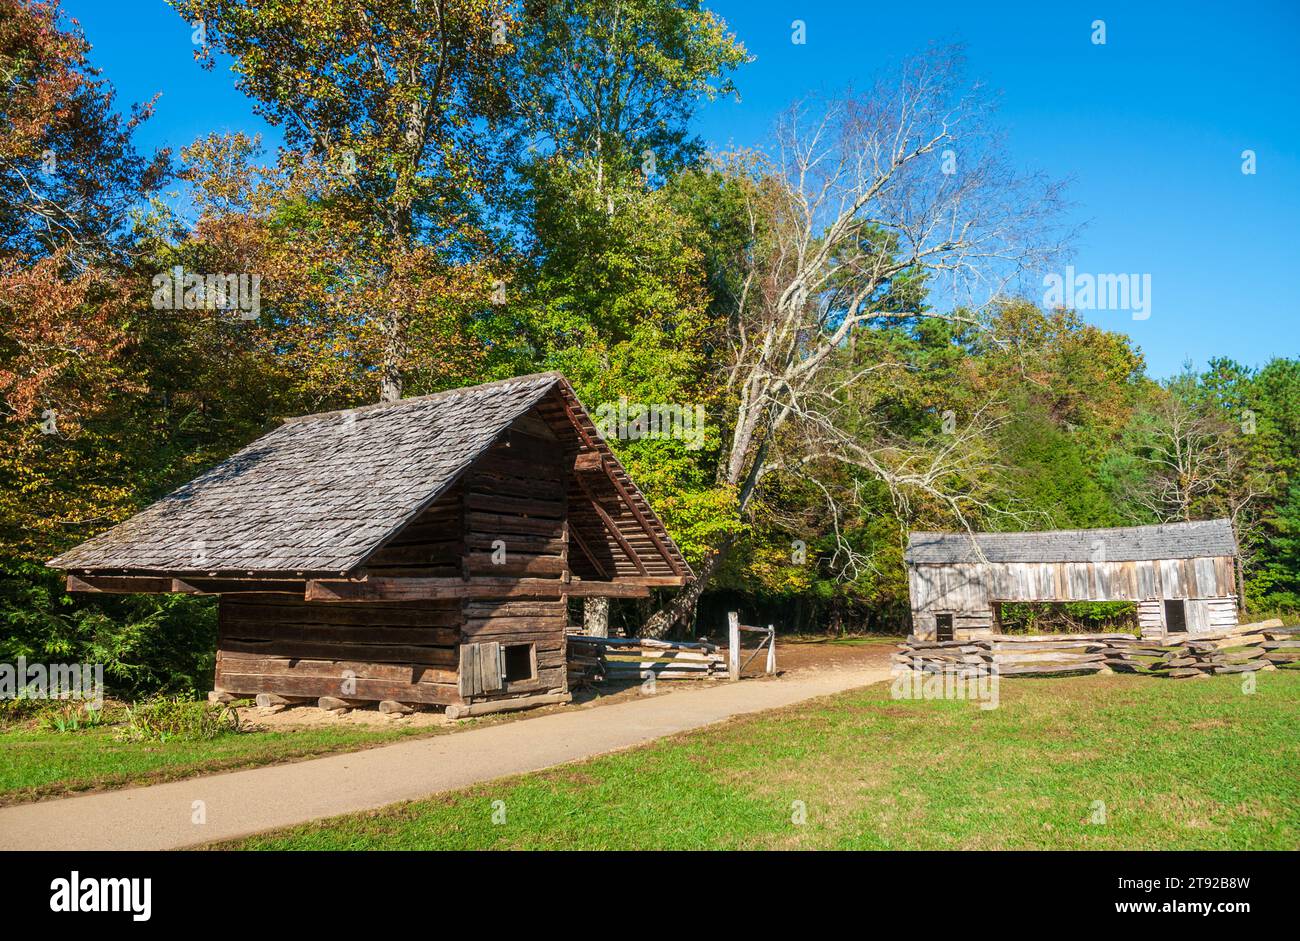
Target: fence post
(771, 649)
(733, 645)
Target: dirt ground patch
(833, 653)
(253, 718)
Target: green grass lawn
(1194, 764)
(36, 763)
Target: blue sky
(1149, 128)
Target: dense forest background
(472, 190)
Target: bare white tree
(1191, 464)
(869, 209)
(1183, 452)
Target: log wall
(404, 651)
(431, 546)
(515, 524)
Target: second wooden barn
(422, 551)
(1181, 576)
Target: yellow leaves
(57, 490)
(773, 568)
(699, 520)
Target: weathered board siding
(1202, 614)
(1151, 618)
(970, 587)
(971, 591)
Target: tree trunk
(390, 369)
(1241, 589)
(390, 389)
(1241, 583)
(684, 603)
(401, 232)
(595, 617)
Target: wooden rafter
(577, 422)
(597, 460)
(641, 518)
(586, 550)
(612, 527)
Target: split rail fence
(1263, 646)
(594, 659)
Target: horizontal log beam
(119, 585)
(503, 705)
(619, 589)
(647, 581)
(628, 586)
(162, 584)
(248, 684)
(229, 586)
(417, 589)
(405, 654)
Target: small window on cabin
(518, 662)
(943, 626)
(1176, 617)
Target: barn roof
(319, 493)
(1119, 544)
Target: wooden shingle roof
(1120, 544)
(317, 494)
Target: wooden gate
(734, 632)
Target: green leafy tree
(611, 86)
(614, 281)
(395, 100)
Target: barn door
(1198, 616)
(480, 668)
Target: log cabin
(421, 551)
(1181, 576)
